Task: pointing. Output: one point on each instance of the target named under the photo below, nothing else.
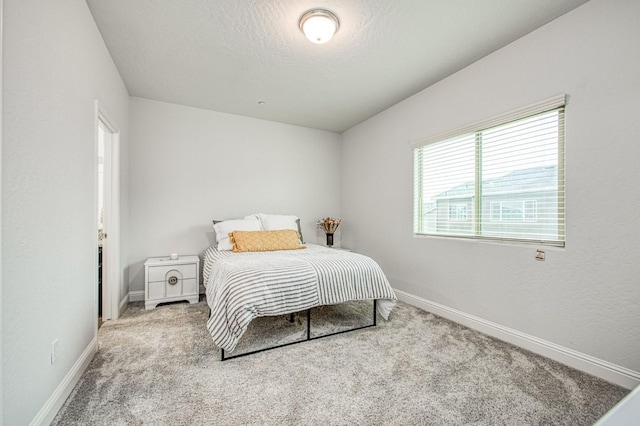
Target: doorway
(107, 287)
(101, 136)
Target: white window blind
(499, 179)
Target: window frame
(419, 221)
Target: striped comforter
(243, 286)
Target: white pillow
(276, 222)
(225, 227)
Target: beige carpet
(160, 367)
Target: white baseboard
(597, 367)
(136, 296)
(48, 412)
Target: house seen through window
(504, 181)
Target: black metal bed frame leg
(375, 322)
(375, 312)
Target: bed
(243, 286)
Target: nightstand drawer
(159, 273)
(161, 290)
(190, 286)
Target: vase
(329, 239)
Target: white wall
(1, 190)
(585, 297)
(190, 166)
(55, 66)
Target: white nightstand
(167, 280)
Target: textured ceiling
(248, 57)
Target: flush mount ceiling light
(319, 25)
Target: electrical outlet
(540, 255)
(54, 350)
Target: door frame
(1, 258)
(111, 284)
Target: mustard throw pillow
(286, 239)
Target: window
(501, 179)
(458, 212)
(530, 210)
(518, 211)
